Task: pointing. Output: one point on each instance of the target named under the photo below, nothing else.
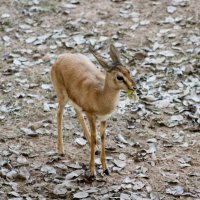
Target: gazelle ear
(100, 60)
(114, 54)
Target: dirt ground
(152, 145)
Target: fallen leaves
(121, 139)
(80, 195)
(48, 169)
(74, 174)
(171, 9)
(119, 163)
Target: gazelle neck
(108, 97)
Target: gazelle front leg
(103, 153)
(92, 122)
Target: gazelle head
(119, 76)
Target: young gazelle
(77, 79)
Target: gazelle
(77, 79)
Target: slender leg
(103, 153)
(92, 123)
(60, 137)
(62, 100)
(85, 128)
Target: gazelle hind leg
(62, 100)
(84, 126)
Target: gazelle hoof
(97, 152)
(92, 177)
(61, 153)
(106, 172)
(89, 176)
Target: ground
(152, 145)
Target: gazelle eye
(120, 78)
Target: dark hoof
(62, 154)
(92, 178)
(106, 172)
(89, 177)
(97, 152)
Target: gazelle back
(77, 80)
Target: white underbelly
(103, 117)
